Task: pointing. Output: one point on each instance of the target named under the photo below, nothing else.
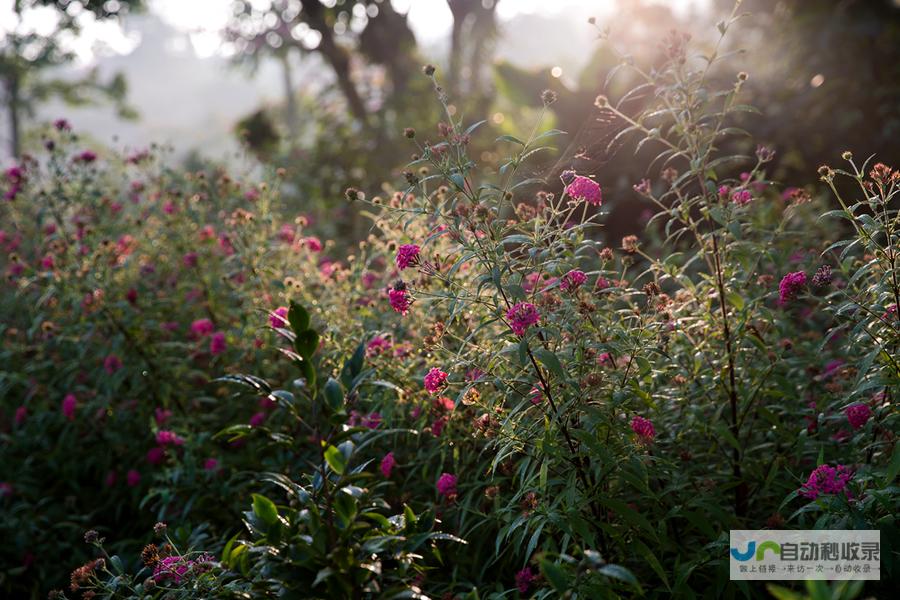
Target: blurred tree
(474, 28)
(837, 63)
(26, 54)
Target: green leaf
(265, 509)
(783, 593)
(555, 575)
(619, 572)
(307, 343)
(309, 372)
(550, 360)
(510, 138)
(298, 317)
(893, 468)
(334, 394)
(353, 366)
(345, 507)
(335, 460)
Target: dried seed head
(548, 97)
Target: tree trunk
(456, 50)
(336, 57)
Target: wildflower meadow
(477, 385)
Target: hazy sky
(182, 87)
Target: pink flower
(21, 415)
(174, 569)
(474, 374)
(858, 414)
(278, 317)
(832, 367)
(446, 485)
(47, 262)
(444, 404)
(524, 579)
(573, 280)
(225, 245)
(437, 427)
(407, 256)
(313, 244)
(582, 188)
(258, 419)
(165, 437)
(826, 479)
(189, 260)
(522, 316)
(643, 428)
(112, 363)
(202, 327)
(169, 207)
(435, 380)
(399, 299)
(387, 464)
(742, 197)
(372, 420)
(210, 464)
(369, 279)
(132, 478)
(161, 415)
(68, 406)
(86, 157)
(378, 345)
(286, 234)
(207, 232)
(791, 285)
(217, 343)
(156, 455)
(536, 395)
(132, 296)
(111, 478)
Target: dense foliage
(484, 399)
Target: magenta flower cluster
(407, 256)
(278, 317)
(446, 485)
(435, 380)
(522, 316)
(791, 285)
(583, 188)
(572, 280)
(643, 428)
(825, 480)
(387, 464)
(399, 299)
(858, 415)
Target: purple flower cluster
(573, 280)
(522, 316)
(435, 380)
(643, 428)
(826, 479)
(858, 415)
(407, 256)
(579, 187)
(791, 285)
